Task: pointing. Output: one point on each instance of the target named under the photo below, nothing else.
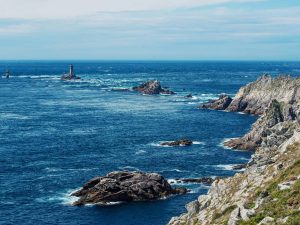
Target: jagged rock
(219, 104)
(182, 142)
(204, 180)
(257, 96)
(239, 167)
(189, 96)
(152, 87)
(124, 186)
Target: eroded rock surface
(124, 186)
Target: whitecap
(139, 152)
(132, 168)
(63, 198)
(228, 167)
(198, 143)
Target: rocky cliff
(268, 191)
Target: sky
(150, 29)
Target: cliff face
(275, 99)
(256, 97)
(268, 191)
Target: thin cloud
(67, 9)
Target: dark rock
(182, 142)
(204, 180)
(152, 87)
(264, 194)
(241, 144)
(280, 166)
(189, 96)
(218, 104)
(239, 167)
(124, 186)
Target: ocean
(56, 135)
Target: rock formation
(182, 142)
(71, 75)
(268, 190)
(124, 186)
(152, 87)
(219, 104)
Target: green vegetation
(281, 203)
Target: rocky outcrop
(219, 104)
(252, 195)
(124, 186)
(277, 119)
(256, 97)
(152, 87)
(182, 142)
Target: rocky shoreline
(268, 190)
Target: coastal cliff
(268, 190)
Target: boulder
(124, 186)
(182, 142)
(152, 87)
(218, 104)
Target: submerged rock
(218, 104)
(124, 186)
(189, 96)
(182, 142)
(152, 87)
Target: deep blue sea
(55, 135)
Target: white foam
(129, 168)
(13, 116)
(229, 167)
(198, 143)
(63, 198)
(139, 152)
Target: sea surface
(56, 135)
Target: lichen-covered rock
(124, 186)
(152, 87)
(218, 104)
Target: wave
(130, 168)
(63, 198)
(228, 167)
(140, 152)
(13, 116)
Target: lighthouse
(71, 75)
(7, 73)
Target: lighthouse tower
(72, 73)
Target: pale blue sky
(150, 29)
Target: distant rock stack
(71, 75)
